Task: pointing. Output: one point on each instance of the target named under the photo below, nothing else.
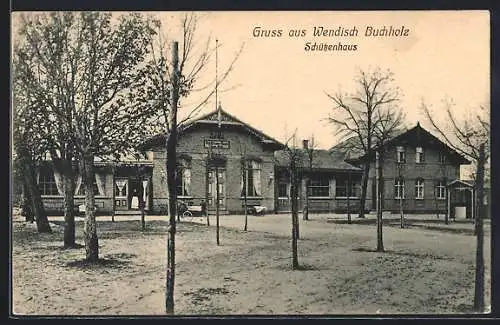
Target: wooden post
(114, 195)
(348, 195)
(472, 205)
(294, 206)
(378, 167)
(244, 171)
(217, 203)
(401, 210)
(447, 216)
(207, 180)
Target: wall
(191, 144)
(322, 204)
(54, 204)
(431, 170)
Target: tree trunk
(69, 203)
(448, 199)
(28, 166)
(245, 207)
(402, 216)
(207, 180)
(114, 195)
(90, 225)
(217, 204)
(171, 170)
(348, 200)
(479, 281)
(364, 186)
(26, 205)
(293, 193)
(401, 210)
(380, 243)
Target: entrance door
(133, 197)
(212, 194)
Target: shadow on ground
(401, 253)
(113, 261)
(466, 227)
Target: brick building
(216, 144)
(417, 167)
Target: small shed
(461, 199)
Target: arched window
(399, 188)
(419, 188)
(183, 176)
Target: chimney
(305, 144)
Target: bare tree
(359, 115)
(479, 278)
(463, 134)
(168, 81)
(470, 137)
(293, 156)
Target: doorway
(212, 184)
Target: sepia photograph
(243, 163)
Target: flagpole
(217, 106)
(217, 196)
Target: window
(253, 183)
(47, 182)
(401, 155)
(441, 189)
(341, 187)
(183, 178)
(318, 187)
(442, 158)
(282, 189)
(81, 188)
(121, 187)
(419, 188)
(399, 188)
(419, 155)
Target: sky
(277, 86)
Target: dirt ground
(424, 269)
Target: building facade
(416, 169)
(213, 152)
(220, 156)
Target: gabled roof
(324, 160)
(212, 118)
(466, 182)
(415, 136)
(353, 148)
